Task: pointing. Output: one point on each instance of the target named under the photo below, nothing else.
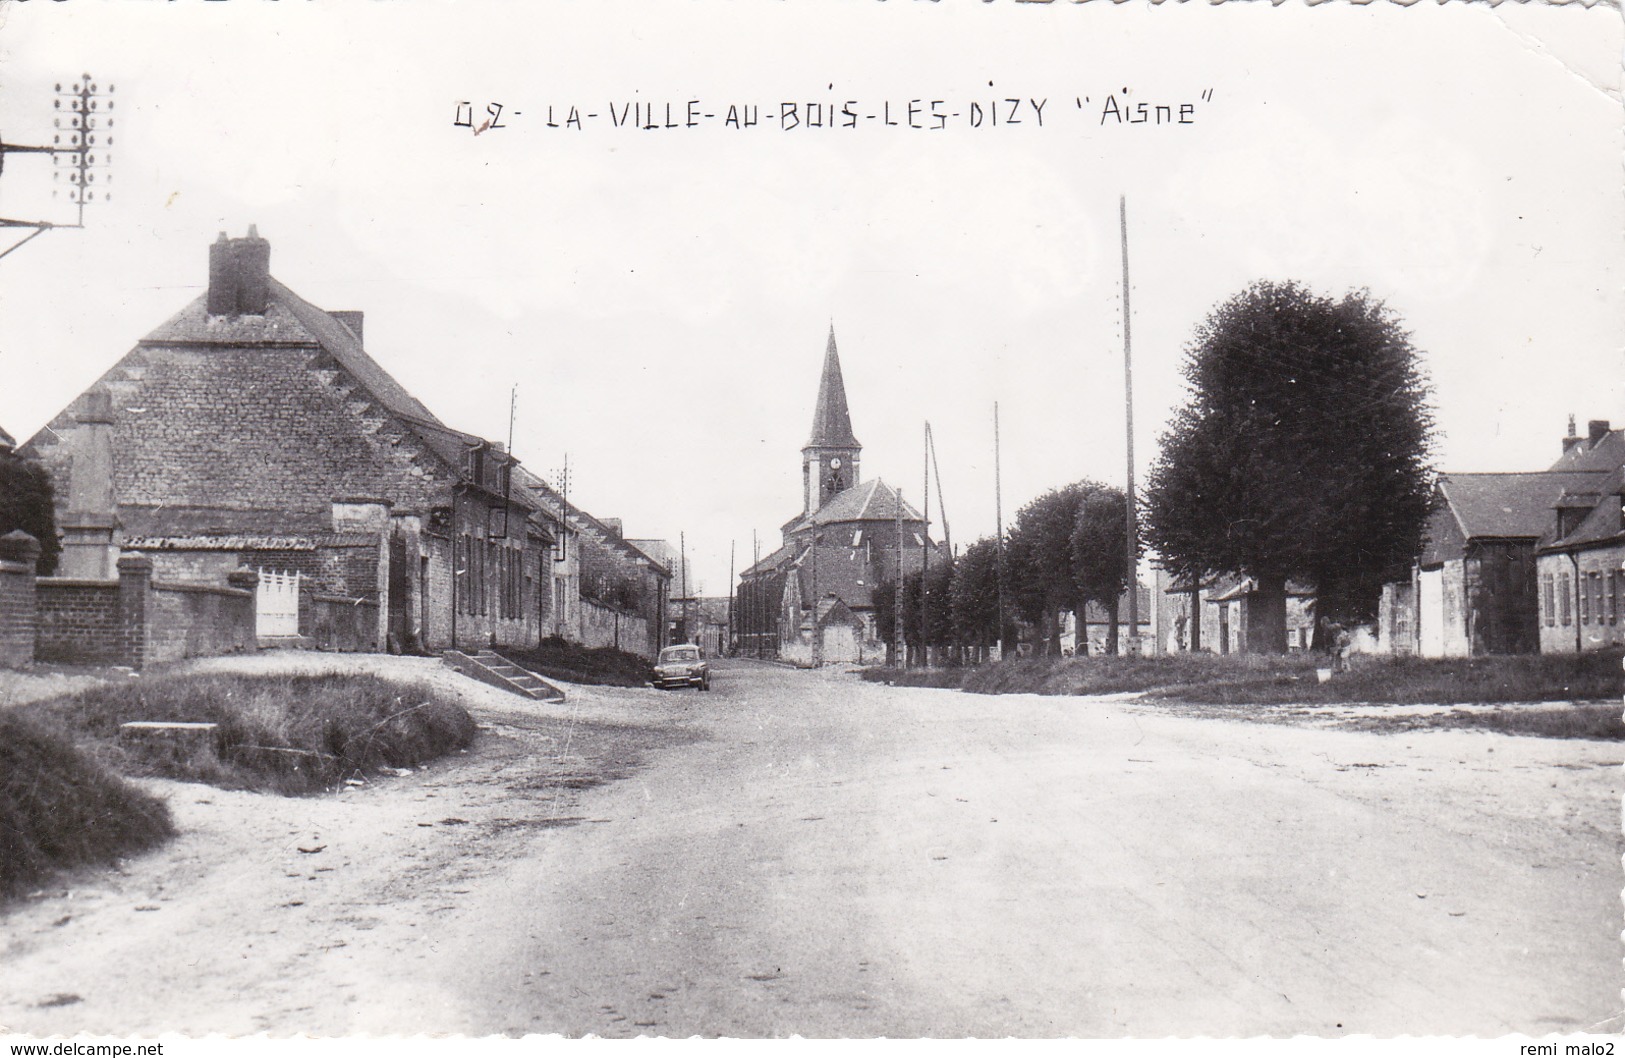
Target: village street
(804, 853)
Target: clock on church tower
(834, 476)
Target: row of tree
(1066, 549)
(1302, 453)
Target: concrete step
(489, 667)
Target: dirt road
(804, 853)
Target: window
(1596, 596)
(1547, 601)
(1583, 584)
(857, 538)
(1614, 577)
(1563, 599)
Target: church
(812, 601)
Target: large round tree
(1302, 453)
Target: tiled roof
(1604, 523)
(6, 440)
(250, 542)
(770, 562)
(1606, 453)
(870, 501)
(1511, 506)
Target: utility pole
(925, 548)
(562, 551)
(936, 471)
(998, 522)
(733, 647)
(81, 157)
(899, 648)
(817, 633)
(1130, 514)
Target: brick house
(1580, 559)
(253, 429)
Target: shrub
(60, 808)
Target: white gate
(276, 604)
(1430, 613)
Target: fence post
(246, 614)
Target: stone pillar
(243, 635)
(134, 584)
(19, 618)
(88, 524)
(369, 515)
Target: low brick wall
(133, 621)
(81, 622)
(194, 621)
(337, 622)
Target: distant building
(1580, 559)
(1220, 615)
(1498, 572)
(812, 600)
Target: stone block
(161, 742)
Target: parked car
(682, 666)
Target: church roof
(832, 423)
(869, 501)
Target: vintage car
(682, 666)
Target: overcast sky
(661, 297)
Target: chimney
(239, 275)
(351, 318)
(1571, 440)
(1597, 429)
(615, 525)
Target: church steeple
(829, 460)
(832, 423)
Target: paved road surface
(805, 853)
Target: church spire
(832, 423)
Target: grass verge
(60, 808)
(575, 663)
(1599, 721)
(1251, 679)
(287, 734)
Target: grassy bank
(1290, 679)
(287, 734)
(60, 808)
(575, 663)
